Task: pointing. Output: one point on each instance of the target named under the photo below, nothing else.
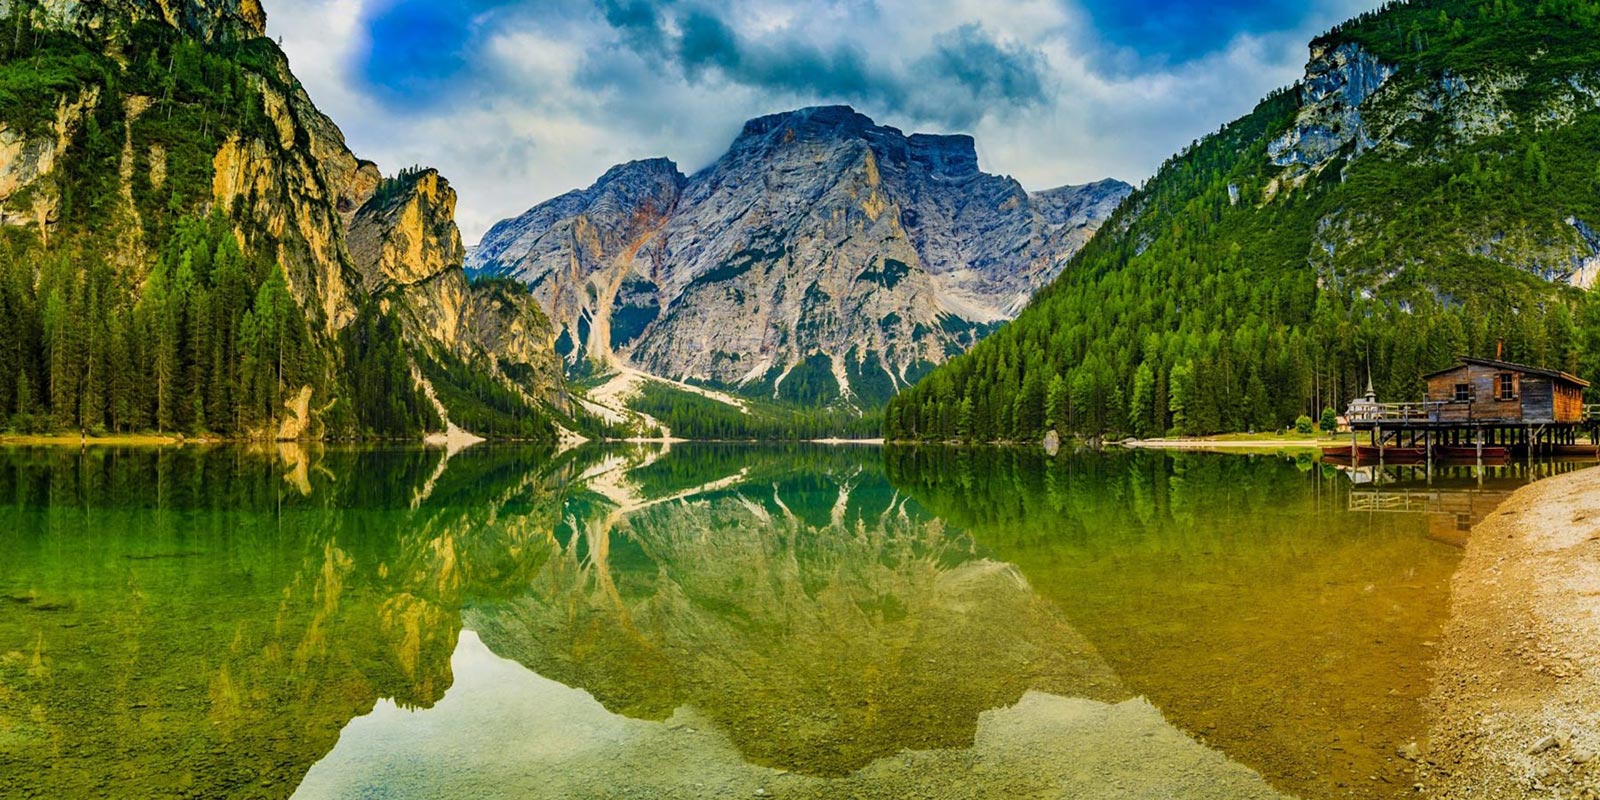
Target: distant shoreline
(455, 439)
(1224, 444)
(175, 440)
(112, 440)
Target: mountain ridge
(820, 246)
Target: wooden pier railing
(1427, 411)
(1399, 412)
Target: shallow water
(716, 621)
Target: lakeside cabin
(1481, 407)
(1490, 390)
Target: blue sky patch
(1182, 30)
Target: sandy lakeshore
(1515, 709)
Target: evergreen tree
(1142, 415)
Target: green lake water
(717, 621)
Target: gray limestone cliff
(1338, 81)
(822, 257)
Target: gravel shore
(1515, 708)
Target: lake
(717, 621)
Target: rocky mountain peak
(945, 156)
(815, 122)
(648, 169)
(823, 256)
(652, 184)
(942, 156)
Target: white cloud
(553, 99)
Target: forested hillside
(178, 248)
(1431, 188)
(692, 416)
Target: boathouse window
(1508, 386)
(1463, 392)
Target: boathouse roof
(1509, 366)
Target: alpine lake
(718, 621)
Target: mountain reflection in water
(704, 621)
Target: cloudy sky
(517, 101)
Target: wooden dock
(1479, 410)
(1408, 428)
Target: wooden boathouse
(1500, 391)
(1480, 408)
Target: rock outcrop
(822, 257)
(278, 170)
(407, 233)
(208, 20)
(1338, 81)
(406, 248)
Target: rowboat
(1369, 453)
(1574, 450)
(1471, 452)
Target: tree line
(692, 416)
(212, 341)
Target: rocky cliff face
(1068, 218)
(291, 190)
(1338, 81)
(407, 251)
(822, 257)
(407, 233)
(1354, 103)
(275, 166)
(585, 244)
(208, 20)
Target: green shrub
(1303, 424)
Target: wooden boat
(1574, 450)
(1470, 452)
(1371, 455)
